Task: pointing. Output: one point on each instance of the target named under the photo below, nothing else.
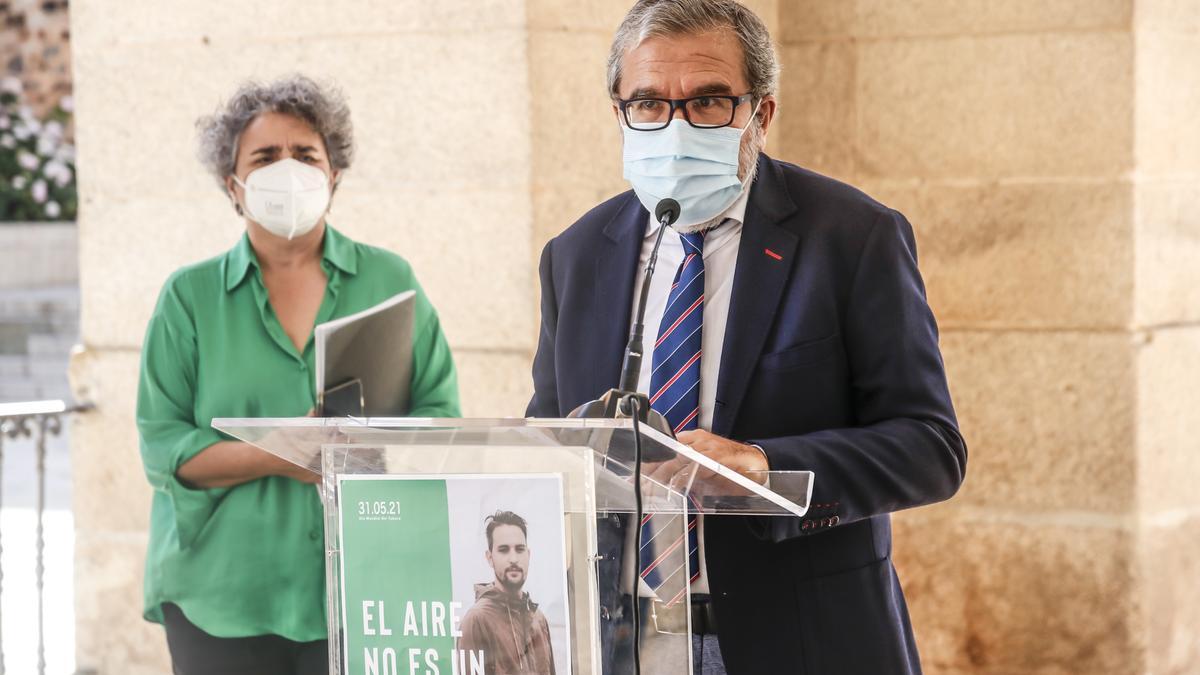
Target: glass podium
(416, 509)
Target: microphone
(615, 402)
(667, 212)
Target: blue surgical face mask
(696, 167)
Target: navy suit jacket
(831, 364)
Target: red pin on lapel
(773, 254)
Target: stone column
(1046, 153)
(1166, 328)
(440, 99)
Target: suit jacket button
(604, 613)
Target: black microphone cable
(635, 412)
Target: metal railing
(35, 420)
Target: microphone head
(667, 211)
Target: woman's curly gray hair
(321, 106)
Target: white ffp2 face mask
(288, 198)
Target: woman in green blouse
(235, 569)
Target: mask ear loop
(333, 186)
(753, 117)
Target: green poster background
(395, 550)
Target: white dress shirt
(720, 258)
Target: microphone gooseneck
(667, 213)
(614, 403)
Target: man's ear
(766, 112)
(488, 554)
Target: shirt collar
(339, 252)
(736, 212)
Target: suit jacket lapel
(616, 267)
(764, 263)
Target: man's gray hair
(663, 18)
(322, 107)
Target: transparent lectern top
(428, 445)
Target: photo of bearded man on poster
(505, 624)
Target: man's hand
(740, 457)
(679, 473)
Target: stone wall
(1045, 151)
(33, 255)
(35, 47)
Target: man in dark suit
(789, 330)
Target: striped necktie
(675, 393)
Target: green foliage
(37, 163)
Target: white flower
(10, 85)
(21, 131)
(46, 145)
(5, 122)
(67, 103)
(7, 141)
(26, 113)
(19, 182)
(38, 191)
(65, 153)
(27, 160)
(53, 129)
(53, 209)
(58, 172)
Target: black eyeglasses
(702, 112)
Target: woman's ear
(335, 179)
(231, 191)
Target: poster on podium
(453, 574)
